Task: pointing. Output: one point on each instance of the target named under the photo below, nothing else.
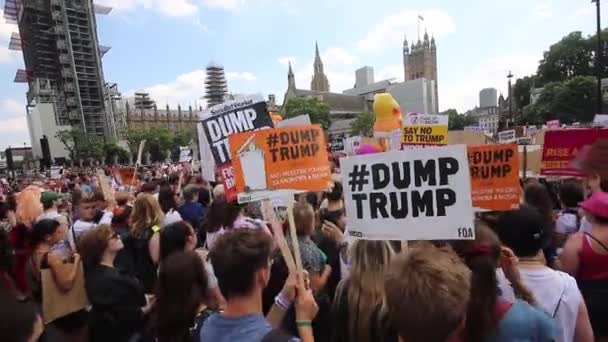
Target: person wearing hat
(525, 232)
(585, 256)
(50, 203)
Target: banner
(506, 137)
(418, 194)
(125, 176)
(562, 146)
(283, 158)
(600, 120)
(424, 135)
(494, 173)
(231, 118)
(185, 154)
(416, 119)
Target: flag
(420, 17)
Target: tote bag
(57, 303)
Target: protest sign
(600, 120)
(230, 118)
(125, 176)
(562, 146)
(295, 121)
(226, 174)
(206, 157)
(506, 137)
(473, 129)
(424, 129)
(425, 135)
(56, 172)
(494, 173)
(284, 158)
(185, 154)
(419, 194)
(140, 152)
(337, 142)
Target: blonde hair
(304, 217)
(93, 243)
(146, 213)
(364, 288)
(29, 206)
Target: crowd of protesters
(172, 260)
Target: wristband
(301, 324)
(282, 302)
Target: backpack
(138, 253)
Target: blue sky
(163, 46)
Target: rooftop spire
(317, 55)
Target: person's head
(204, 196)
(149, 188)
(221, 214)
(181, 289)
(100, 200)
(21, 321)
(219, 193)
(370, 261)
(594, 165)
(537, 195)
(427, 294)
(313, 200)
(48, 231)
(241, 261)
(122, 198)
(121, 216)
(571, 193)
(336, 192)
(304, 217)
(50, 200)
(523, 230)
(481, 256)
(28, 205)
(166, 198)
(337, 217)
(191, 193)
(178, 236)
(146, 213)
(97, 242)
(596, 208)
(87, 207)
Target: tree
(158, 141)
(133, 138)
(67, 139)
(112, 150)
(363, 124)
(571, 56)
(458, 121)
(570, 101)
(316, 109)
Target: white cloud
(463, 93)
(284, 61)
(245, 76)
(224, 4)
(390, 31)
(393, 71)
(585, 11)
(543, 8)
(187, 88)
(173, 8)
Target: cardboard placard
(185, 154)
(562, 146)
(299, 120)
(417, 119)
(425, 135)
(56, 172)
(283, 158)
(506, 137)
(233, 117)
(418, 194)
(125, 176)
(494, 173)
(600, 120)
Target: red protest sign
(562, 146)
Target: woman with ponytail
(490, 318)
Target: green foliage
(112, 150)
(573, 55)
(458, 121)
(363, 124)
(316, 109)
(569, 101)
(158, 141)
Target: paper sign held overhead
(185, 154)
(418, 194)
(284, 158)
(506, 137)
(424, 129)
(231, 118)
(494, 173)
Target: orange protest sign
(494, 173)
(125, 176)
(283, 158)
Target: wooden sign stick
(279, 236)
(106, 189)
(405, 247)
(294, 241)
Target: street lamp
(510, 76)
(598, 58)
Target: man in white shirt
(87, 210)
